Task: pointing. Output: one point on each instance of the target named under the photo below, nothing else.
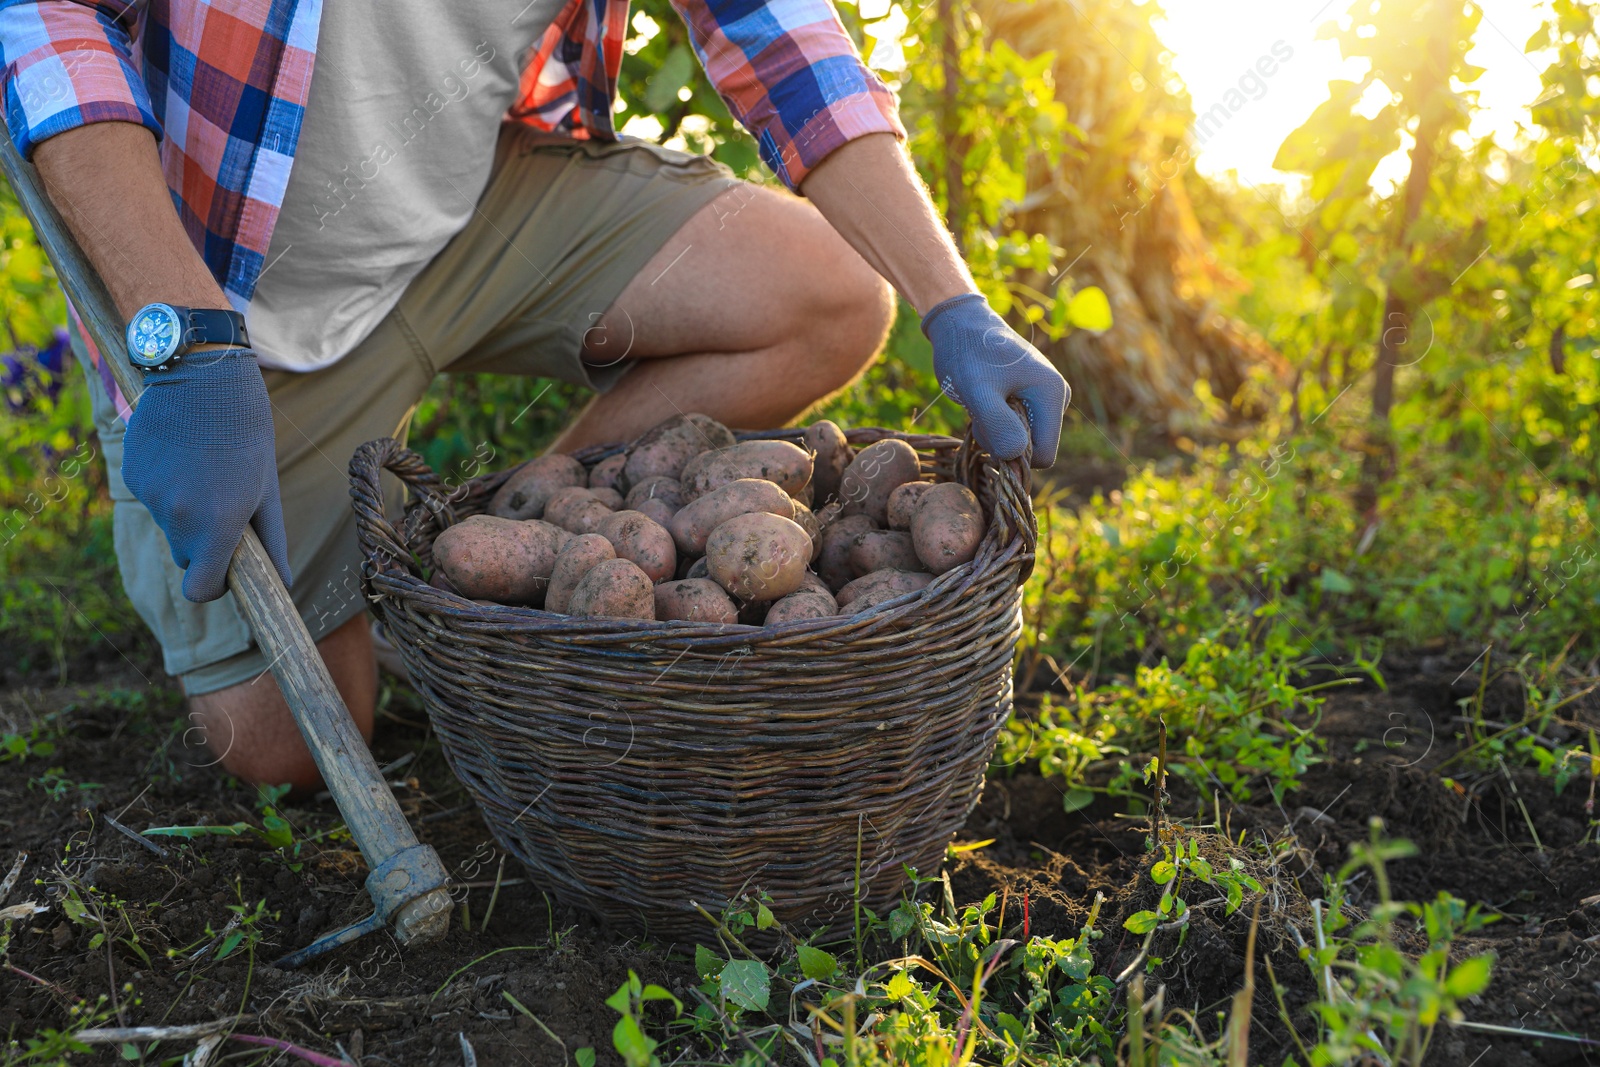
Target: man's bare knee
(250, 731)
(848, 335)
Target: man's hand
(199, 448)
(982, 363)
(199, 454)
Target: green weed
(55, 785)
(1233, 703)
(1378, 1001)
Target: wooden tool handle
(376, 823)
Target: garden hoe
(408, 883)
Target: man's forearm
(869, 191)
(105, 179)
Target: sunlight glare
(1216, 58)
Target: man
(380, 193)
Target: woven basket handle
(1014, 496)
(378, 537)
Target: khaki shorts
(562, 229)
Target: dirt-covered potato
(802, 604)
(609, 497)
(698, 569)
(812, 526)
(607, 474)
(506, 560)
(883, 550)
(776, 461)
(640, 538)
(758, 556)
(525, 493)
(947, 527)
(876, 472)
(812, 582)
(578, 510)
(694, 522)
(614, 589)
(805, 495)
(581, 555)
(656, 509)
(667, 446)
(695, 600)
(831, 454)
(873, 589)
(837, 537)
(656, 487)
(903, 503)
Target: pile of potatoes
(689, 524)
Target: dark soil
(384, 1005)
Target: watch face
(153, 335)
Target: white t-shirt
(395, 149)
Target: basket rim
(527, 620)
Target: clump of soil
(153, 925)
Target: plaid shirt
(226, 83)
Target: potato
(693, 524)
(811, 582)
(806, 495)
(831, 454)
(614, 589)
(947, 527)
(876, 472)
(812, 526)
(713, 434)
(582, 554)
(656, 487)
(609, 497)
(903, 503)
(802, 604)
(776, 461)
(873, 589)
(667, 446)
(883, 550)
(578, 510)
(640, 538)
(758, 556)
(524, 494)
(837, 537)
(695, 600)
(698, 569)
(440, 580)
(657, 510)
(607, 474)
(506, 560)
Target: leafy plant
(1376, 999)
(1182, 862)
(1233, 701)
(58, 787)
(628, 1037)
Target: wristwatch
(161, 333)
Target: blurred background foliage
(1372, 414)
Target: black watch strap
(214, 326)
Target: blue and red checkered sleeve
(791, 74)
(66, 64)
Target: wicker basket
(636, 767)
